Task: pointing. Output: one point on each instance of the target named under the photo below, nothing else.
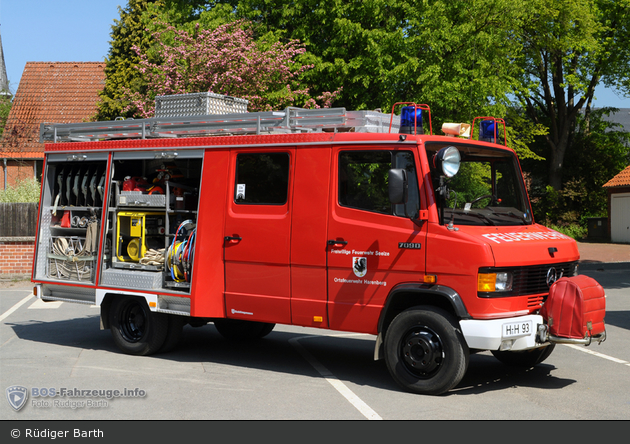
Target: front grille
(529, 280)
(535, 301)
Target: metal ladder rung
(288, 120)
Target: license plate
(517, 329)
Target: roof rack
(290, 120)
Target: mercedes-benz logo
(553, 276)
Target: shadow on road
(609, 278)
(349, 359)
(486, 373)
(619, 319)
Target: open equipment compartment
(71, 208)
(70, 217)
(152, 195)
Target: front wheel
(136, 329)
(526, 358)
(425, 351)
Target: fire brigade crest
(17, 396)
(359, 266)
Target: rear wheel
(526, 358)
(136, 329)
(236, 329)
(425, 351)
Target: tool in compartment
(180, 254)
(138, 233)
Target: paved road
(293, 374)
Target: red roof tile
(620, 180)
(53, 92)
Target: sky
(78, 31)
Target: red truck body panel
(319, 218)
(283, 271)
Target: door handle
(232, 238)
(333, 242)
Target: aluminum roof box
(198, 104)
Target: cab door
(372, 244)
(257, 236)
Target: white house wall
(620, 217)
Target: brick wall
(16, 170)
(16, 257)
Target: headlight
(490, 282)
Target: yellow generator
(137, 232)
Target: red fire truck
(346, 220)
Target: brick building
(53, 92)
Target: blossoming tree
(226, 60)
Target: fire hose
(78, 254)
(179, 256)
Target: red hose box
(575, 308)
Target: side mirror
(447, 161)
(398, 186)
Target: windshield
(487, 190)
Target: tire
(235, 329)
(524, 359)
(136, 329)
(267, 328)
(425, 351)
(175, 327)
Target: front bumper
(490, 334)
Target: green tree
(450, 55)
(569, 47)
(121, 65)
(179, 13)
(5, 108)
(600, 150)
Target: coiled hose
(78, 253)
(179, 256)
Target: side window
(363, 181)
(262, 178)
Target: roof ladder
(290, 120)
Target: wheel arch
(404, 296)
(105, 308)
(105, 299)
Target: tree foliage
(225, 60)
(5, 108)
(464, 59)
(450, 55)
(121, 66)
(600, 150)
(569, 47)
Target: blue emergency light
(407, 116)
(487, 131)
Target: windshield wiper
(478, 215)
(511, 214)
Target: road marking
(334, 381)
(39, 304)
(7, 313)
(599, 355)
